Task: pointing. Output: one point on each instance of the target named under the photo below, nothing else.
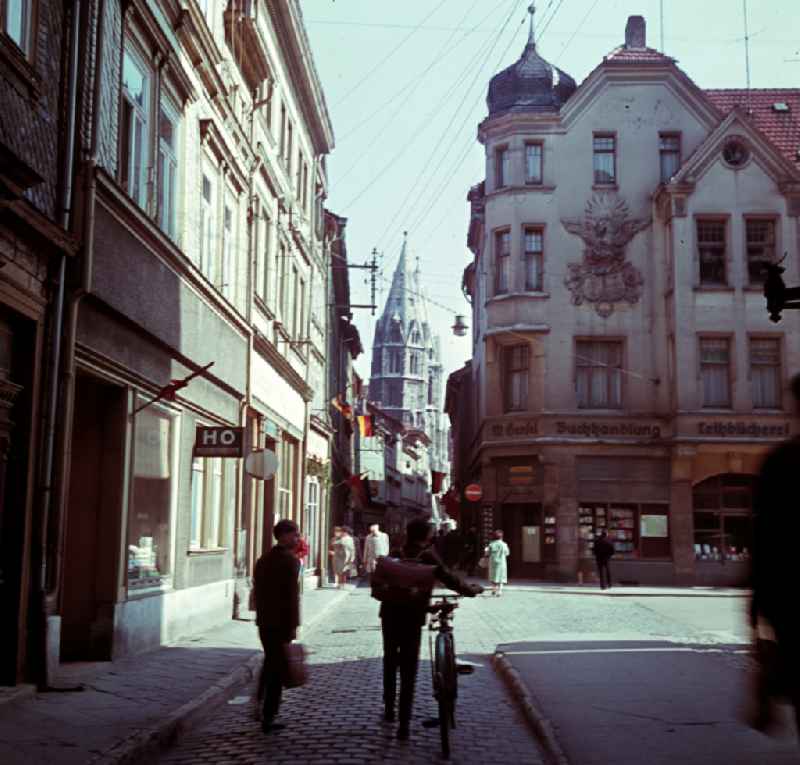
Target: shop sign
(513, 429)
(214, 441)
(744, 429)
(608, 429)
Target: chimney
(635, 34)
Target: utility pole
(372, 267)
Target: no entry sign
(218, 441)
(473, 492)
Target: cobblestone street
(337, 717)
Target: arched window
(723, 506)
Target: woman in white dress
(497, 551)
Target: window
(599, 374)
(291, 306)
(515, 372)
(135, 126)
(311, 521)
(280, 271)
(300, 309)
(152, 499)
(722, 518)
(430, 389)
(636, 530)
(760, 248)
(16, 21)
(207, 229)
(208, 503)
(711, 251)
(264, 259)
(283, 130)
(167, 167)
(395, 361)
(286, 460)
(533, 259)
(765, 372)
(605, 159)
(715, 371)
(501, 160)
(298, 181)
(669, 149)
(289, 147)
(533, 163)
(502, 253)
(225, 283)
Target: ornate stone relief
(604, 277)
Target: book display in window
(586, 531)
(621, 529)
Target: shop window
(715, 371)
(637, 530)
(152, 500)
(515, 372)
(765, 372)
(209, 502)
(760, 236)
(711, 252)
(599, 374)
(722, 518)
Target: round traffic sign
(473, 492)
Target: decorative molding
(604, 277)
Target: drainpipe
(67, 170)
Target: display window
(637, 530)
(723, 518)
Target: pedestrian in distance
(277, 616)
(603, 551)
(470, 554)
(402, 622)
(773, 575)
(344, 555)
(497, 552)
(376, 544)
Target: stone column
(681, 516)
(561, 500)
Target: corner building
(625, 375)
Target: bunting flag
(365, 425)
(436, 481)
(342, 406)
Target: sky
(405, 85)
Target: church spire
(531, 30)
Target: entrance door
(93, 538)
(522, 529)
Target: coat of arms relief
(604, 277)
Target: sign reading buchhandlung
(215, 441)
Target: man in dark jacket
(277, 614)
(774, 569)
(603, 550)
(402, 623)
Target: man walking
(376, 544)
(277, 615)
(402, 622)
(603, 550)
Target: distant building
(406, 379)
(625, 375)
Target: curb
(145, 745)
(542, 727)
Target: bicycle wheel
(445, 717)
(445, 673)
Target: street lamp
(459, 326)
(779, 296)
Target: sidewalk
(132, 707)
(531, 585)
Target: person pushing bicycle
(403, 617)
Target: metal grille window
(167, 167)
(502, 253)
(599, 374)
(516, 378)
(760, 248)
(533, 163)
(136, 85)
(669, 148)
(605, 159)
(501, 160)
(715, 371)
(533, 257)
(765, 372)
(711, 251)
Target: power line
(391, 53)
(577, 29)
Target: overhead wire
(577, 29)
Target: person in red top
(301, 553)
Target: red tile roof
(782, 128)
(638, 55)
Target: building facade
(625, 375)
(196, 275)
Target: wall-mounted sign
(513, 429)
(473, 492)
(507, 429)
(654, 526)
(608, 429)
(744, 429)
(214, 441)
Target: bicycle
(444, 667)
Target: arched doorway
(723, 528)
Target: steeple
(531, 35)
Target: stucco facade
(621, 344)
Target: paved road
(336, 718)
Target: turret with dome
(531, 84)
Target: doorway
(523, 532)
(94, 514)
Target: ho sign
(473, 492)
(214, 441)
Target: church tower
(406, 376)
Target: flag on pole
(365, 425)
(342, 406)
